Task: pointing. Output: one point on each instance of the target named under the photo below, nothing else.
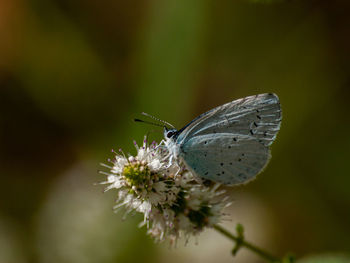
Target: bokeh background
(73, 75)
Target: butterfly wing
(229, 144)
(257, 116)
(225, 159)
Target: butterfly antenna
(148, 122)
(154, 118)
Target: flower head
(172, 201)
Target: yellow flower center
(137, 174)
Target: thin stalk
(247, 245)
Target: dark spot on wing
(242, 154)
(230, 163)
(258, 117)
(235, 139)
(222, 172)
(221, 164)
(205, 142)
(206, 173)
(239, 159)
(251, 132)
(229, 147)
(256, 125)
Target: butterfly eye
(170, 134)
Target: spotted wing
(257, 116)
(224, 158)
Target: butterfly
(230, 143)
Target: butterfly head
(170, 136)
(169, 133)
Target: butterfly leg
(173, 161)
(178, 169)
(170, 160)
(162, 147)
(161, 144)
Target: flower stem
(240, 242)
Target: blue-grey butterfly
(230, 143)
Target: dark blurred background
(73, 75)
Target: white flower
(173, 206)
(143, 177)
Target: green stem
(246, 244)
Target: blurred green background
(73, 75)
